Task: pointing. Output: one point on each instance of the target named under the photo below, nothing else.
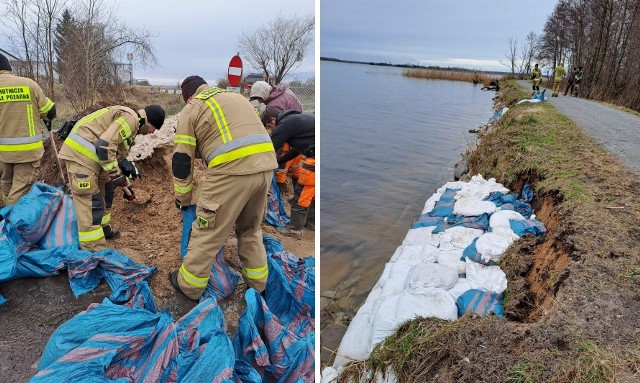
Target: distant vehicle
(251, 79)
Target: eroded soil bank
(573, 295)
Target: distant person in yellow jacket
(536, 77)
(558, 75)
(22, 105)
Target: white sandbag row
(426, 275)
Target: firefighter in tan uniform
(90, 155)
(223, 129)
(22, 105)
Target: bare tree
(279, 46)
(511, 55)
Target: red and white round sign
(235, 71)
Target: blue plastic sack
(188, 216)
(63, 230)
(31, 216)
(276, 213)
(529, 226)
(472, 253)
(480, 302)
(444, 206)
(222, 281)
(273, 351)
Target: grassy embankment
(451, 75)
(573, 296)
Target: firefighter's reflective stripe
(15, 94)
(257, 273)
(221, 121)
(238, 148)
(90, 236)
(110, 166)
(4, 198)
(106, 219)
(82, 146)
(21, 147)
(184, 139)
(191, 279)
(89, 118)
(125, 132)
(47, 107)
(20, 140)
(182, 189)
(32, 125)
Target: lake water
(387, 142)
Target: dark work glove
(119, 181)
(130, 169)
(179, 206)
(47, 123)
(131, 195)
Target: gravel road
(616, 130)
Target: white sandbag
(429, 275)
(470, 207)
(486, 278)
(409, 305)
(458, 237)
(451, 258)
(383, 321)
(329, 375)
(431, 202)
(423, 253)
(422, 236)
(492, 245)
(398, 273)
(501, 218)
(461, 287)
(451, 185)
(479, 188)
(355, 344)
(425, 303)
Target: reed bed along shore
(452, 75)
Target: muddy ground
(150, 235)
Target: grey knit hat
(260, 89)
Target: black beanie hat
(155, 115)
(4, 63)
(190, 85)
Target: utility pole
(130, 58)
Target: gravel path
(616, 130)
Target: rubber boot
(110, 233)
(310, 222)
(294, 229)
(294, 182)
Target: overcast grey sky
(201, 36)
(463, 33)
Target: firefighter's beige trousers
(88, 191)
(226, 200)
(16, 180)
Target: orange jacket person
(22, 104)
(298, 130)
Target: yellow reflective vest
(94, 140)
(22, 106)
(224, 130)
